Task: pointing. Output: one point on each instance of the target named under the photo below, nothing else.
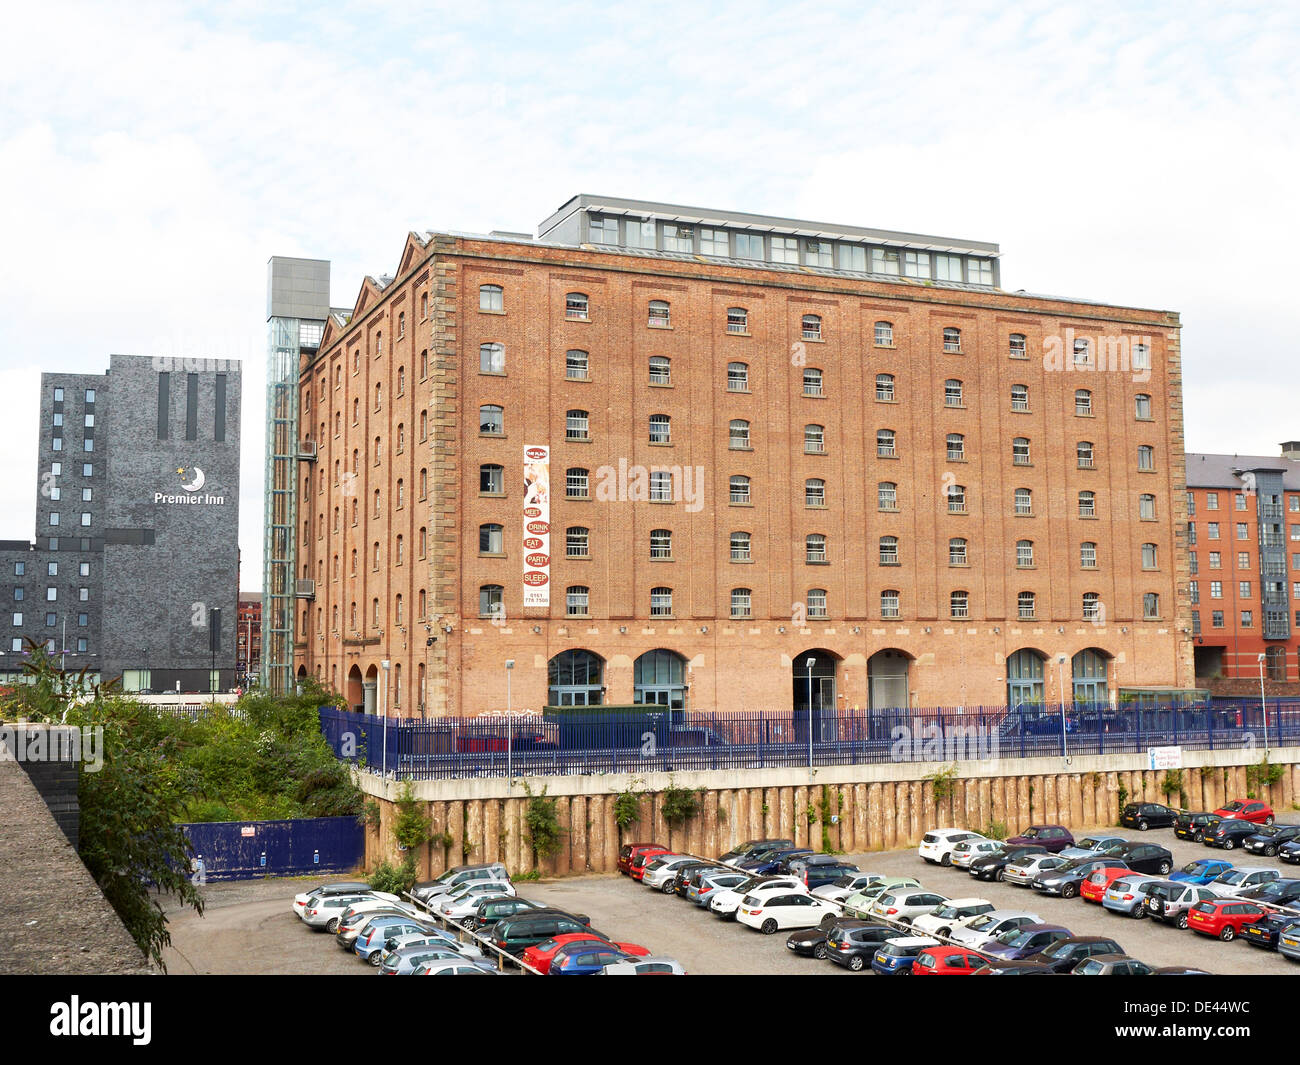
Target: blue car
(772, 861)
(370, 944)
(586, 959)
(895, 957)
(1201, 871)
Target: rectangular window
(885, 261)
(853, 257)
(604, 230)
(1211, 500)
(638, 234)
(948, 268)
(785, 250)
(1212, 530)
(191, 406)
(749, 246)
(1247, 619)
(1216, 618)
(164, 403)
(219, 431)
(679, 237)
(916, 264)
(714, 242)
(818, 253)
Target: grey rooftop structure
(1225, 471)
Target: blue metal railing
(588, 741)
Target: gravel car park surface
(248, 926)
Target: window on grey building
(191, 407)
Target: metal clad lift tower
(297, 306)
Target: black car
(1268, 839)
(1193, 826)
(819, 869)
(1290, 852)
(1144, 815)
(514, 935)
(1146, 858)
(1274, 893)
(752, 847)
(1065, 954)
(1268, 929)
(495, 908)
(991, 866)
(691, 875)
(811, 942)
(1229, 833)
(854, 943)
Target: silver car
(988, 926)
(405, 961)
(656, 965)
(1169, 900)
(1128, 894)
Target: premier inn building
(726, 461)
(134, 570)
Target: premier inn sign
(192, 481)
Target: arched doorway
(1025, 680)
(887, 673)
(575, 678)
(355, 692)
(1089, 670)
(370, 689)
(659, 678)
(815, 676)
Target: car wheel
(905, 921)
(1199, 837)
(1268, 820)
(376, 958)
(819, 951)
(1182, 921)
(769, 926)
(946, 861)
(332, 925)
(945, 932)
(1271, 851)
(1143, 826)
(667, 889)
(1069, 891)
(856, 963)
(1228, 934)
(1229, 844)
(1002, 874)
(1164, 868)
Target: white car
(664, 871)
(848, 884)
(345, 887)
(988, 926)
(1021, 871)
(906, 905)
(324, 911)
(968, 850)
(951, 914)
(771, 911)
(724, 904)
(462, 900)
(452, 968)
(936, 846)
(654, 965)
(1238, 879)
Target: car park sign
(1165, 757)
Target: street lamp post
(810, 663)
(1060, 685)
(1262, 702)
(510, 732)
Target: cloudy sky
(154, 155)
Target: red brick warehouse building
(752, 443)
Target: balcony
(306, 450)
(305, 589)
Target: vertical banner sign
(537, 526)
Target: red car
(629, 851)
(540, 955)
(1259, 813)
(1224, 918)
(946, 961)
(1094, 887)
(637, 869)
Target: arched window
(814, 492)
(1025, 679)
(424, 425)
(576, 600)
(1020, 397)
(491, 603)
(952, 339)
(1091, 606)
(491, 420)
(737, 320)
(1083, 403)
(577, 483)
(401, 437)
(1016, 346)
(814, 439)
(884, 334)
(490, 540)
(661, 544)
(400, 500)
(660, 370)
(574, 679)
(379, 395)
(885, 443)
(957, 551)
(956, 447)
(741, 603)
(952, 393)
(424, 365)
(815, 548)
(577, 365)
(737, 377)
(659, 678)
(379, 451)
(356, 412)
(889, 551)
(492, 357)
(1088, 671)
(1025, 604)
(577, 425)
(738, 434)
(423, 541)
(577, 542)
(885, 387)
(376, 514)
(956, 498)
(491, 298)
(1024, 553)
(1024, 501)
(401, 323)
(1142, 407)
(1020, 451)
(660, 314)
(1087, 504)
(811, 327)
(741, 546)
(576, 306)
(959, 605)
(738, 486)
(401, 380)
(812, 382)
(491, 479)
(424, 484)
(887, 495)
(661, 602)
(660, 429)
(889, 603)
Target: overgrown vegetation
(1122, 795)
(996, 830)
(1172, 784)
(678, 804)
(627, 807)
(543, 823)
(943, 784)
(411, 830)
(1262, 776)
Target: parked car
(1241, 877)
(1019, 944)
(1224, 918)
(1229, 833)
(1280, 892)
(1288, 943)
(1023, 871)
(820, 870)
(1096, 884)
(968, 850)
(991, 865)
(1053, 838)
(725, 903)
(1111, 965)
(514, 935)
(1066, 880)
(322, 891)
(540, 955)
(859, 904)
(1290, 852)
(1063, 955)
(770, 912)
(369, 942)
(1192, 825)
(405, 961)
(1179, 970)
(845, 885)
(636, 869)
(701, 893)
(951, 914)
(752, 847)
(905, 905)
(588, 959)
(660, 872)
(1146, 858)
(895, 957)
(1128, 894)
(1269, 929)
(1201, 871)
(1170, 900)
(988, 926)
(1014, 968)
(1268, 839)
(1093, 846)
(462, 900)
(437, 937)
(946, 961)
(653, 965)
(691, 875)
(772, 861)
(350, 927)
(1144, 815)
(1252, 810)
(853, 944)
(937, 844)
(632, 850)
(811, 942)
(323, 912)
(488, 911)
(452, 968)
(429, 890)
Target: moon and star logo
(196, 479)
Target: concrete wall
(850, 808)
